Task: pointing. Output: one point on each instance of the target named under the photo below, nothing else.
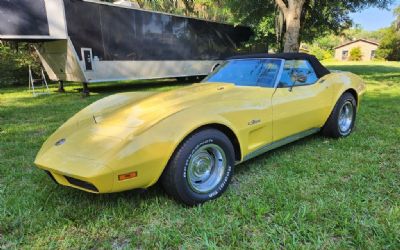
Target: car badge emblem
(60, 142)
(254, 122)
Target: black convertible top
(319, 69)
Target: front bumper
(77, 172)
(73, 182)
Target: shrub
(320, 53)
(389, 47)
(355, 54)
(14, 64)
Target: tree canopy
(389, 47)
(304, 20)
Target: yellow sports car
(191, 138)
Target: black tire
(332, 127)
(175, 178)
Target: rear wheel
(201, 168)
(341, 121)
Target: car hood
(129, 111)
(106, 125)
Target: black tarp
(23, 18)
(115, 33)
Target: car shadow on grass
(62, 197)
(83, 200)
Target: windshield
(248, 72)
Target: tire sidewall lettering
(223, 183)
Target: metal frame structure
(43, 80)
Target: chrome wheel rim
(206, 168)
(346, 117)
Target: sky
(373, 18)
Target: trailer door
(87, 59)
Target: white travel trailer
(91, 41)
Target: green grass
(315, 193)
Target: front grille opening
(51, 176)
(82, 184)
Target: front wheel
(341, 121)
(201, 168)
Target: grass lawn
(314, 193)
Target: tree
(303, 16)
(397, 14)
(259, 15)
(357, 32)
(208, 9)
(355, 54)
(14, 63)
(389, 47)
(292, 14)
(323, 47)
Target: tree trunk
(292, 35)
(292, 16)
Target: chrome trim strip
(278, 77)
(277, 144)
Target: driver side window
(293, 70)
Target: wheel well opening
(230, 134)
(354, 93)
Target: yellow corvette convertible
(191, 138)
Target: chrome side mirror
(300, 78)
(297, 78)
(214, 67)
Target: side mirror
(297, 78)
(300, 78)
(215, 67)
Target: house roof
(358, 40)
